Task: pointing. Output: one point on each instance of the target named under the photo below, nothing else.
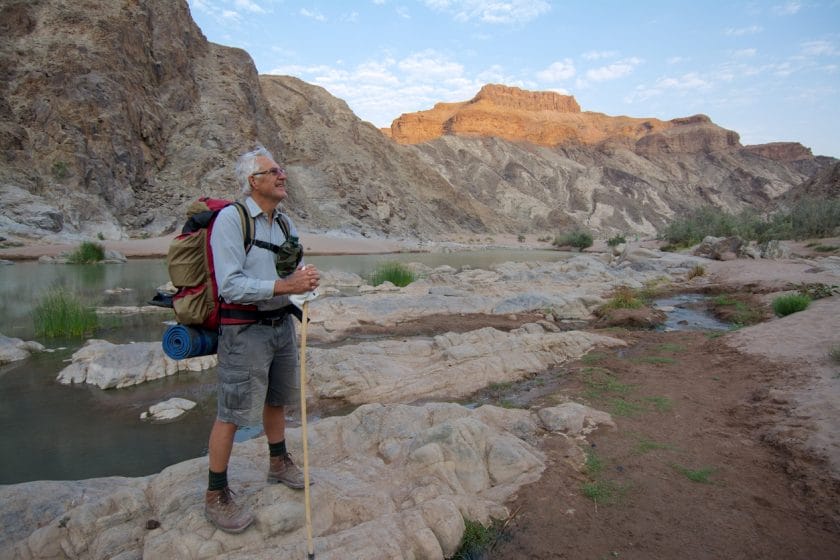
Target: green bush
(791, 303)
(396, 273)
(579, 239)
(616, 240)
(87, 252)
(476, 541)
(808, 217)
(62, 314)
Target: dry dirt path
(686, 406)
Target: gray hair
(247, 164)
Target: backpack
(190, 263)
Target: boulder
(15, 349)
(108, 365)
(168, 409)
(719, 248)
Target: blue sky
(769, 70)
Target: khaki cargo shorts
(258, 365)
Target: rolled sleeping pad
(181, 342)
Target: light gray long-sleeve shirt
(247, 278)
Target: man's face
(268, 181)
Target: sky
(769, 70)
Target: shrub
(834, 354)
(808, 217)
(791, 303)
(476, 541)
(698, 270)
(61, 314)
(520, 238)
(578, 239)
(87, 252)
(616, 240)
(622, 298)
(396, 273)
(817, 290)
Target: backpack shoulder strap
(247, 225)
(283, 223)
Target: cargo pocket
(235, 395)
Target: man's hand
(304, 279)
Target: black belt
(273, 321)
(271, 318)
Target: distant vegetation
(809, 217)
(616, 240)
(579, 239)
(86, 253)
(396, 273)
(62, 314)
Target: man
(258, 363)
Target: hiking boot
(283, 469)
(224, 513)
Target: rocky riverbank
(396, 477)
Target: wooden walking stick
(309, 546)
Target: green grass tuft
(628, 409)
(476, 541)
(86, 253)
(62, 314)
(791, 303)
(396, 273)
(646, 445)
(660, 404)
(695, 475)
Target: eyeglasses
(273, 171)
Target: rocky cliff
(114, 116)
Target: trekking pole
(309, 546)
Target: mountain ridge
(115, 117)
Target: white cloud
(230, 15)
(379, 2)
(677, 60)
(687, 83)
(596, 55)
(379, 90)
(820, 48)
(739, 31)
(613, 71)
(558, 71)
(787, 9)
(492, 11)
(403, 12)
(250, 6)
(312, 14)
(745, 53)
(429, 63)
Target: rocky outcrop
(390, 482)
(347, 175)
(112, 366)
(115, 112)
(781, 151)
(15, 349)
(544, 118)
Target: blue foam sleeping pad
(181, 342)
